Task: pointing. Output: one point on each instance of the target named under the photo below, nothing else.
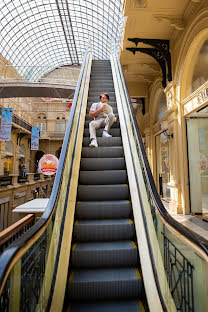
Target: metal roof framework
(38, 36)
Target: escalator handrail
(9, 254)
(201, 242)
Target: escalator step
(103, 209)
(114, 141)
(101, 85)
(96, 98)
(102, 164)
(104, 254)
(103, 152)
(102, 192)
(98, 89)
(115, 132)
(88, 119)
(116, 306)
(103, 177)
(94, 93)
(105, 284)
(104, 230)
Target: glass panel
(162, 165)
(197, 132)
(27, 26)
(200, 75)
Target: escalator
(105, 241)
(104, 257)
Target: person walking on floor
(103, 117)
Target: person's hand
(114, 119)
(104, 106)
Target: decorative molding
(176, 22)
(161, 53)
(170, 92)
(157, 55)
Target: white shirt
(102, 114)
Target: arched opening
(191, 75)
(58, 152)
(38, 156)
(200, 74)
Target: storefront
(197, 137)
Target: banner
(35, 139)
(48, 164)
(6, 124)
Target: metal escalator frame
(199, 244)
(16, 250)
(151, 270)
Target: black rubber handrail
(201, 242)
(8, 255)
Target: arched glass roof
(38, 36)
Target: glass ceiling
(38, 36)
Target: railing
(174, 260)
(32, 262)
(16, 230)
(5, 180)
(13, 179)
(18, 121)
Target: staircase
(104, 273)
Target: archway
(38, 156)
(187, 78)
(58, 152)
(190, 62)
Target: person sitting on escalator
(103, 117)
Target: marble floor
(192, 222)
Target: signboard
(48, 164)
(35, 139)
(6, 124)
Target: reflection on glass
(163, 168)
(200, 75)
(197, 130)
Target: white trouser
(100, 122)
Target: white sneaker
(106, 134)
(93, 143)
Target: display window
(162, 165)
(197, 139)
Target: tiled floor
(192, 222)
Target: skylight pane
(54, 32)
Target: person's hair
(106, 94)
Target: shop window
(197, 136)
(162, 107)
(200, 75)
(163, 168)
